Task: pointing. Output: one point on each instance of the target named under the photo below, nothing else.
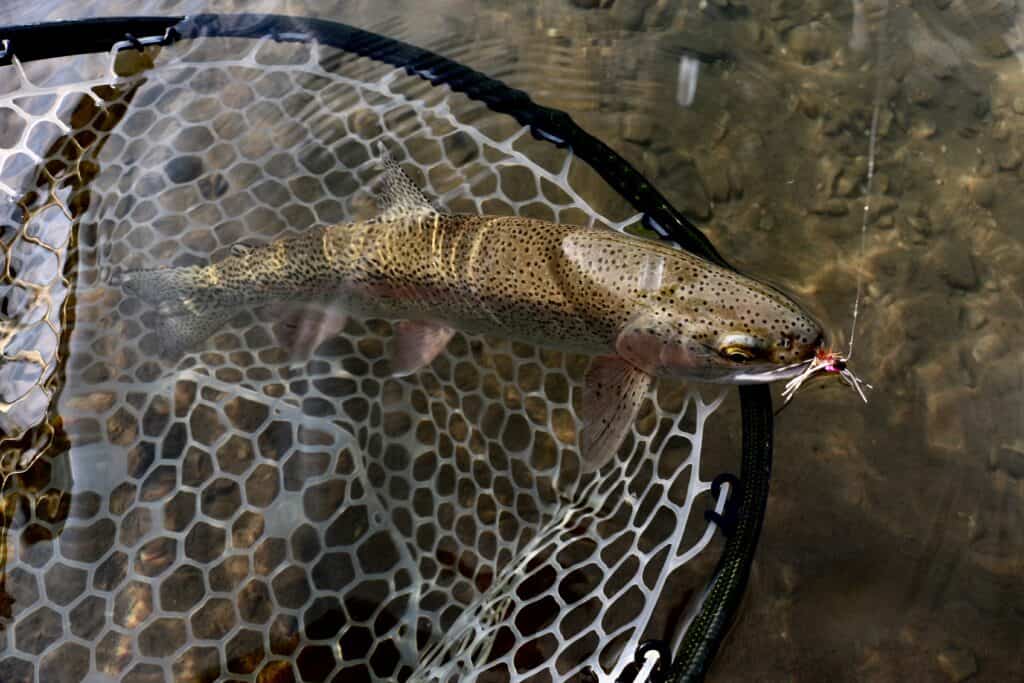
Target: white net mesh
(245, 515)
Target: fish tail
(186, 317)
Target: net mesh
(245, 514)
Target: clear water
(892, 548)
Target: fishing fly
(826, 361)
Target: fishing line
(870, 181)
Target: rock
(1010, 458)
(1008, 158)
(691, 197)
(788, 578)
(637, 128)
(921, 90)
(955, 265)
(884, 184)
(923, 130)
(652, 164)
(829, 170)
(884, 205)
(631, 14)
(810, 42)
(1002, 131)
(721, 179)
(958, 664)
(986, 347)
(994, 46)
(831, 207)
(848, 186)
(974, 317)
(946, 428)
(1018, 104)
(717, 178)
(885, 120)
(982, 190)
(585, 4)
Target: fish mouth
(785, 372)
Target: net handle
(706, 631)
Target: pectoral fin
(613, 392)
(181, 333)
(416, 344)
(646, 342)
(301, 329)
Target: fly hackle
(826, 362)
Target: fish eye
(737, 354)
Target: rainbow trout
(641, 308)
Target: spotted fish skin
(570, 287)
(642, 308)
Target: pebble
(974, 317)
(692, 197)
(1010, 458)
(1009, 158)
(983, 191)
(652, 164)
(883, 183)
(630, 15)
(924, 130)
(829, 170)
(810, 42)
(946, 426)
(956, 265)
(921, 91)
(848, 186)
(884, 205)
(789, 579)
(831, 207)
(994, 46)
(885, 119)
(1018, 104)
(1002, 131)
(637, 128)
(716, 176)
(957, 663)
(988, 346)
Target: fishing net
(243, 513)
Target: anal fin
(416, 344)
(612, 395)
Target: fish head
(733, 331)
(754, 333)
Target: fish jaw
(764, 375)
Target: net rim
(746, 508)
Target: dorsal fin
(398, 195)
(241, 249)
